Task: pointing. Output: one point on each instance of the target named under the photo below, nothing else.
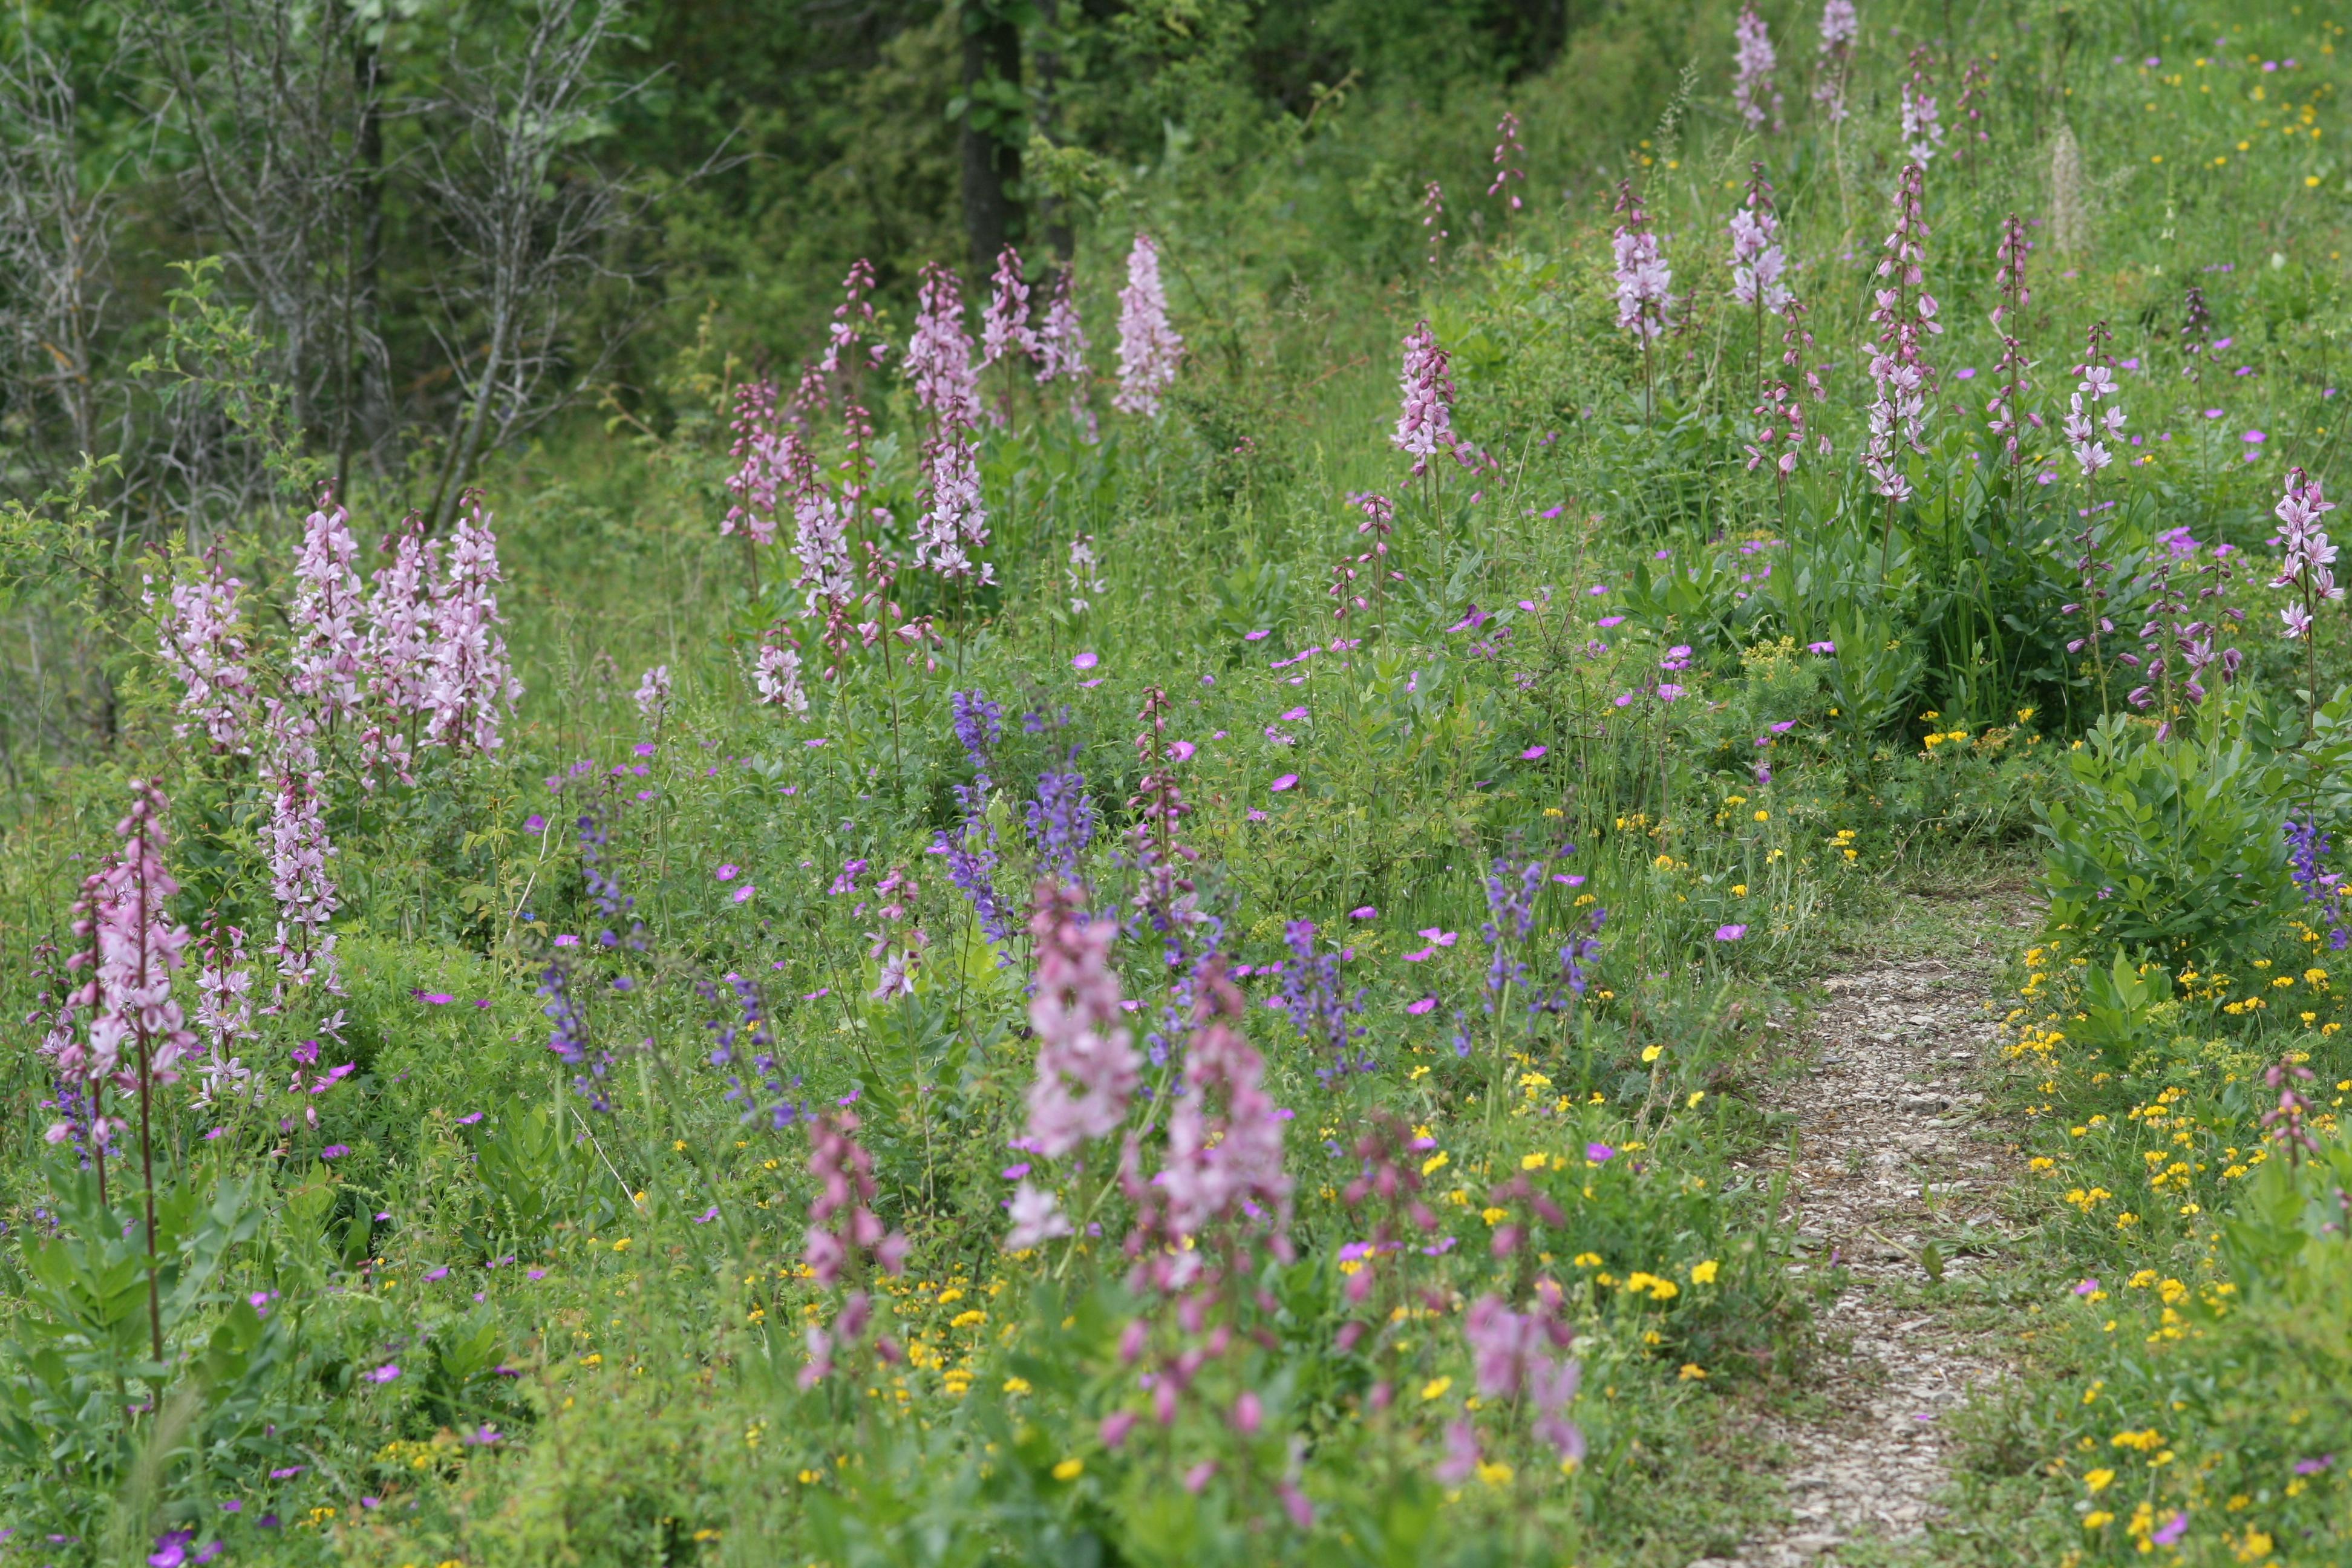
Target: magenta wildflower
(1284, 783)
(845, 1174)
(1729, 933)
(1149, 348)
(1599, 1152)
(385, 1373)
(1417, 1008)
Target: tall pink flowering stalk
(225, 1014)
(2082, 432)
(1149, 348)
(1087, 1070)
(1781, 412)
(1898, 367)
(2306, 568)
(652, 696)
(938, 356)
(137, 1034)
(1062, 349)
(1425, 416)
(1225, 1140)
(847, 354)
(399, 638)
(467, 675)
(1758, 263)
(844, 1235)
(1515, 1358)
(326, 659)
(1432, 223)
(1752, 64)
(1004, 329)
(1642, 279)
(1509, 161)
(204, 646)
(1923, 133)
(2004, 418)
(955, 523)
(298, 850)
(758, 466)
(1840, 27)
(1968, 112)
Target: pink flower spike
(1284, 783)
(1424, 1006)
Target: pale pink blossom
(1643, 276)
(1922, 132)
(326, 656)
(1898, 369)
(1037, 1218)
(1149, 348)
(1425, 419)
(759, 462)
(954, 524)
(1840, 27)
(653, 695)
(467, 676)
(1087, 1066)
(1005, 325)
(130, 945)
(399, 637)
(938, 356)
(1507, 154)
(1224, 1140)
(1752, 62)
(2308, 558)
(1758, 263)
(778, 678)
(203, 645)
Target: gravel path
(1891, 1161)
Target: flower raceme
(1897, 367)
(1752, 62)
(204, 646)
(1149, 348)
(2308, 557)
(130, 946)
(1840, 27)
(1758, 263)
(1425, 420)
(1643, 276)
(1087, 1067)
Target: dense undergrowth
(1357, 1015)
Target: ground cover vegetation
(1142, 905)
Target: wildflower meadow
(1166, 877)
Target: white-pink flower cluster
(2309, 557)
(1922, 132)
(130, 946)
(1753, 63)
(325, 662)
(225, 1014)
(1758, 263)
(1426, 418)
(1642, 276)
(1149, 348)
(2085, 425)
(939, 356)
(466, 673)
(653, 695)
(203, 645)
(399, 637)
(777, 676)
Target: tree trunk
(991, 148)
